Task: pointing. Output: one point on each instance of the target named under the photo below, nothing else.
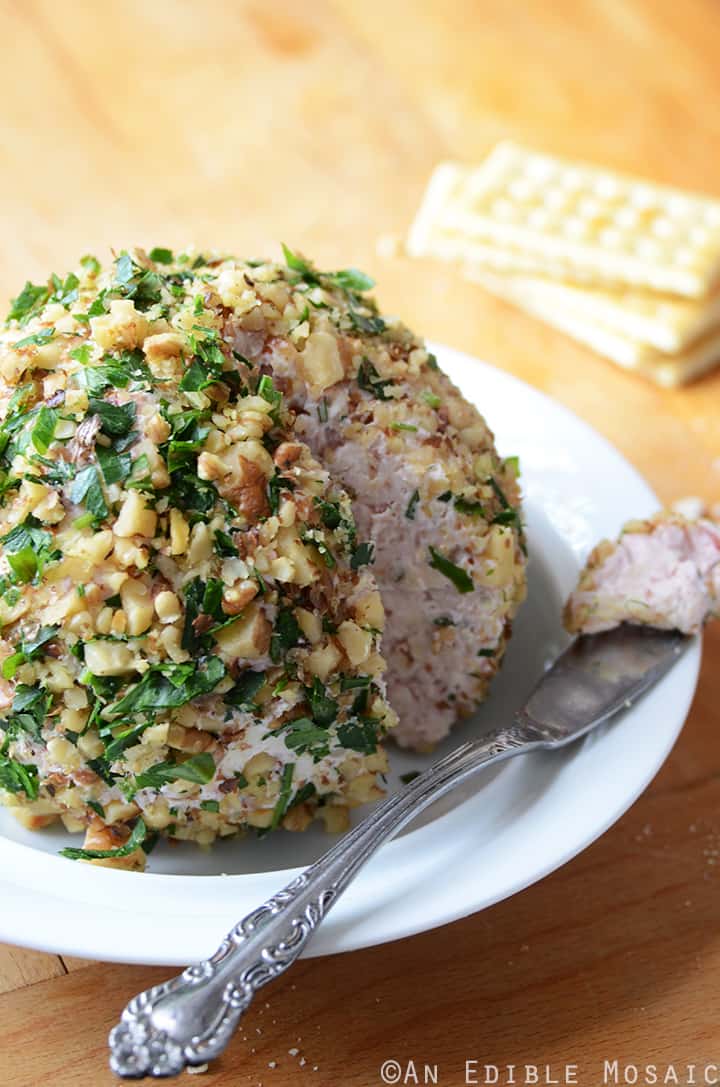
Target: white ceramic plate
(501, 833)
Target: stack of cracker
(629, 268)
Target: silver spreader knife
(189, 1020)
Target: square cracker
(665, 322)
(668, 370)
(571, 221)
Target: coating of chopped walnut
(190, 627)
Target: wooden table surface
(240, 124)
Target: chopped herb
(513, 464)
(140, 476)
(210, 805)
(18, 398)
(374, 325)
(98, 306)
(283, 800)
(191, 494)
(90, 264)
(102, 769)
(362, 698)
(28, 649)
(178, 454)
(187, 437)
(97, 808)
(281, 684)
(115, 467)
(134, 842)
(203, 602)
(303, 735)
(431, 399)
(194, 598)
(24, 564)
(65, 291)
(37, 339)
(161, 256)
(492, 482)
(31, 298)
(350, 279)
(274, 486)
(44, 429)
(199, 769)
(88, 489)
(486, 652)
(412, 505)
(325, 552)
(330, 513)
(167, 686)
(459, 577)
(129, 367)
(224, 545)
(116, 420)
(285, 636)
(305, 792)
(322, 410)
(268, 392)
(363, 555)
(370, 381)
(446, 496)
(443, 621)
(207, 368)
(212, 599)
(324, 709)
(99, 378)
(359, 735)
(29, 710)
(82, 354)
(508, 517)
(27, 534)
(56, 471)
(351, 683)
(404, 426)
(17, 777)
(119, 742)
(473, 509)
(432, 362)
(139, 284)
(298, 264)
(245, 689)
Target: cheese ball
(190, 627)
(440, 508)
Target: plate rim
(58, 941)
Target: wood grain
(240, 124)
(19, 967)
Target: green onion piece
(283, 799)
(134, 842)
(459, 577)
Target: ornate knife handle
(190, 1019)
